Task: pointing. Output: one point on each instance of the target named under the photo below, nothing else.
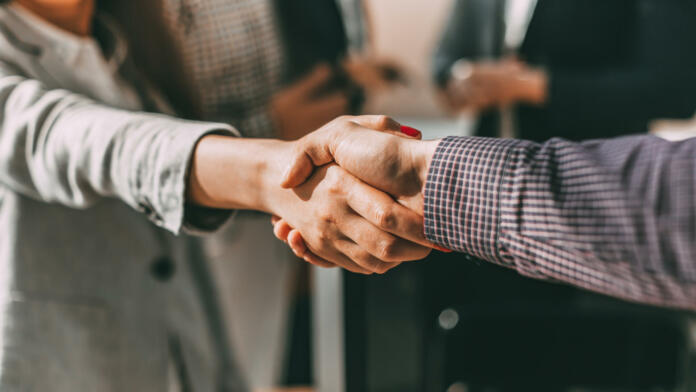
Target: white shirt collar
(518, 15)
(70, 46)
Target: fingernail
(413, 132)
(441, 249)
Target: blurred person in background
(574, 68)
(271, 68)
(100, 288)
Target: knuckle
(385, 218)
(324, 218)
(383, 122)
(322, 240)
(383, 268)
(365, 262)
(334, 183)
(343, 118)
(379, 267)
(425, 252)
(387, 249)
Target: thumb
(311, 151)
(315, 150)
(299, 170)
(388, 125)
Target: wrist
(235, 173)
(422, 153)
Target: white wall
(407, 31)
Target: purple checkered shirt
(616, 217)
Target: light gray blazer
(94, 296)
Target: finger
(339, 260)
(388, 125)
(297, 243)
(313, 259)
(316, 149)
(361, 257)
(312, 151)
(275, 219)
(386, 214)
(299, 170)
(364, 258)
(378, 243)
(281, 230)
(299, 248)
(318, 77)
(331, 252)
(377, 122)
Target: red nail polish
(441, 249)
(413, 132)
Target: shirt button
(163, 269)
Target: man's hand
(346, 222)
(394, 164)
(390, 160)
(308, 104)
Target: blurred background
(530, 69)
(461, 326)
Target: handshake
(347, 195)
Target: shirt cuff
(462, 194)
(167, 206)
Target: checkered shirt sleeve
(616, 217)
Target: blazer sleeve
(60, 147)
(614, 216)
(658, 82)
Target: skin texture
(397, 165)
(74, 16)
(343, 220)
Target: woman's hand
(397, 165)
(386, 160)
(349, 223)
(343, 220)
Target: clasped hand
(379, 176)
(349, 192)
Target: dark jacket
(614, 65)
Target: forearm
(614, 217)
(61, 147)
(234, 173)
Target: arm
(616, 217)
(60, 147)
